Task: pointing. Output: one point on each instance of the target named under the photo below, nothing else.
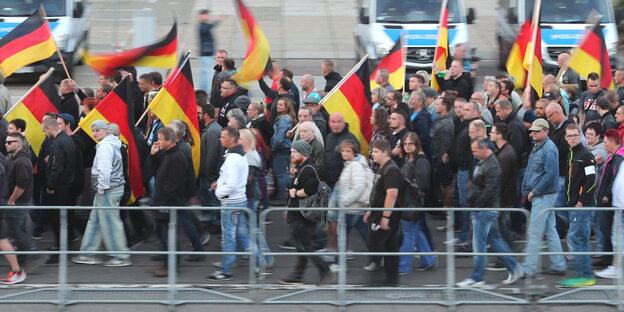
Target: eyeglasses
(9, 142)
(572, 135)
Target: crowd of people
(465, 146)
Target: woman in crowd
(381, 131)
(415, 230)
(378, 96)
(280, 146)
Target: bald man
(566, 76)
(307, 86)
(551, 79)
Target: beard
(296, 162)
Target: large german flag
(394, 63)
(592, 56)
(257, 60)
(176, 100)
(161, 54)
(41, 99)
(27, 43)
(117, 107)
(515, 61)
(351, 97)
(535, 74)
(442, 51)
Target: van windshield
(415, 11)
(27, 7)
(571, 11)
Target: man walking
(206, 48)
(107, 178)
(540, 186)
(230, 190)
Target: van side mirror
(472, 15)
(364, 19)
(78, 10)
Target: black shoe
(554, 272)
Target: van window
(27, 7)
(570, 11)
(415, 11)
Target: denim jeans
(413, 236)
(356, 221)
(208, 198)
(262, 242)
(463, 217)
(234, 234)
(105, 225)
(578, 240)
(185, 219)
(561, 217)
(484, 231)
(279, 167)
(543, 224)
(205, 78)
(16, 226)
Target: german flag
(515, 61)
(394, 63)
(117, 107)
(27, 43)
(257, 59)
(592, 56)
(535, 79)
(176, 100)
(41, 99)
(161, 54)
(442, 50)
(351, 97)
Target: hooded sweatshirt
(107, 171)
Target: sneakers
(578, 281)
(82, 259)
(115, 262)
(14, 278)
(372, 267)
(470, 283)
(205, 238)
(496, 266)
(287, 244)
(610, 272)
(219, 276)
(514, 276)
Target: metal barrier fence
(341, 294)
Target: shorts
(332, 215)
(3, 230)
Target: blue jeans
(463, 217)
(234, 234)
(542, 224)
(253, 205)
(578, 240)
(185, 219)
(561, 217)
(280, 171)
(356, 221)
(205, 78)
(413, 236)
(105, 225)
(484, 231)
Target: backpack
(411, 195)
(318, 199)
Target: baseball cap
(539, 124)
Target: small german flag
(43, 98)
(29, 42)
(176, 100)
(257, 59)
(161, 54)
(394, 63)
(515, 60)
(117, 107)
(534, 80)
(352, 98)
(442, 50)
(592, 56)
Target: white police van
(68, 22)
(563, 24)
(381, 23)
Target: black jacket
(61, 164)
(461, 154)
(332, 79)
(518, 139)
(484, 191)
(558, 137)
(306, 180)
(581, 177)
(608, 122)
(228, 105)
(265, 128)
(215, 91)
(422, 125)
(20, 174)
(462, 85)
(171, 177)
(605, 182)
(330, 172)
(509, 173)
(69, 105)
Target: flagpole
(344, 78)
(404, 51)
(535, 28)
(58, 52)
(41, 79)
(186, 59)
